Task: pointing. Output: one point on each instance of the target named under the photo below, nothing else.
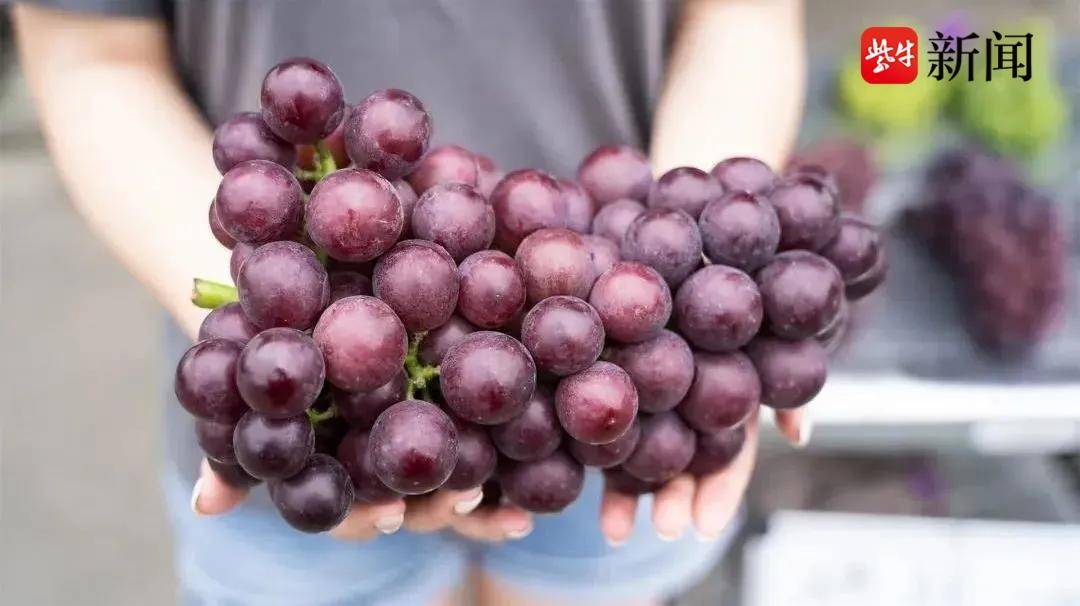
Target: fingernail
(805, 428)
(466, 506)
(616, 542)
(390, 524)
(706, 537)
(519, 533)
(668, 536)
(195, 497)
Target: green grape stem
(419, 374)
(318, 417)
(208, 294)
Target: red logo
(889, 55)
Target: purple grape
(664, 449)
(685, 188)
(554, 261)
(617, 479)
(233, 475)
(492, 289)
(791, 372)
(744, 174)
(662, 369)
(205, 382)
(563, 334)
(388, 133)
(283, 284)
(487, 378)
(579, 206)
(354, 215)
(612, 220)
(740, 229)
(603, 253)
(808, 212)
(633, 302)
(363, 342)
(302, 100)
(419, 281)
(666, 240)
(724, 392)
(414, 447)
(533, 434)
(344, 283)
(227, 322)
(272, 449)
(801, 293)
(869, 281)
(718, 308)
(612, 172)
(408, 200)
(476, 457)
(437, 342)
(258, 202)
(280, 372)
(215, 438)
(832, 336)
(317, 498)
(598, 404)
(610, 454)
(525, 201)
(442, 165)
(246, 137)
(488, 174)
(240, 253)
(361, 408)
(547, 485)
(353, 454)
(456, 217)
(856, 248)
(217, 229)
(715, 451)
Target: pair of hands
(708, 502)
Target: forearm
(130, 147)
(735, 84)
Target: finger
(365, 521)
(212, 496)
(435, 511)
(719, 494)
(795, 424)
(671, 507)
(496, 524)
(617, 511)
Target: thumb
(217, 492)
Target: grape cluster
(419, 319)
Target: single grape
(869, 281)
(283, 284)
(272, 449)
(546, 485)
(603, 253)
(258, 202)
(334, 142)
(533, 434)
(215, 438)
(832, 336)
(217, 229)
(487, 378)
(855, 249)
(442, 165)
(808, 212)
(664, 449)
(791, 372)
(413, 447)
(317, 498)
(563, 334)
(715, 451)
(280, 372)
(419, 281)
(456, 217)
(740, 229)
(345, 283)
(685, 188)
(612, 220)
(476, 457)
(718, 308)
(246, 137)
(612, 172)
(227, 322)
(488, 174)
(240, 253)
(205, 382)
(610, 454)
(233, 475)
(666, 240)
(388, 133)
(492, 289)
(598, 404)
(662, 369)
(361, 408)
(353, 453)
(554, 261)
(354, 215)
(363, 342)
(801, 293)
(744, 174)
(617, 479)
(525, 201)
(633, 302)
(579, 206)
(408, 200)
(819, 173)
(437, 342)
(302, 100)
(724, 393)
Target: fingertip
(515, 521)
(212, 496)
(795, 425)
(672, 508)
(617, 517)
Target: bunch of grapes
(421, 320)
(1004, 242)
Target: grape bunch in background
(419, 319)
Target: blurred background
(945, 460)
